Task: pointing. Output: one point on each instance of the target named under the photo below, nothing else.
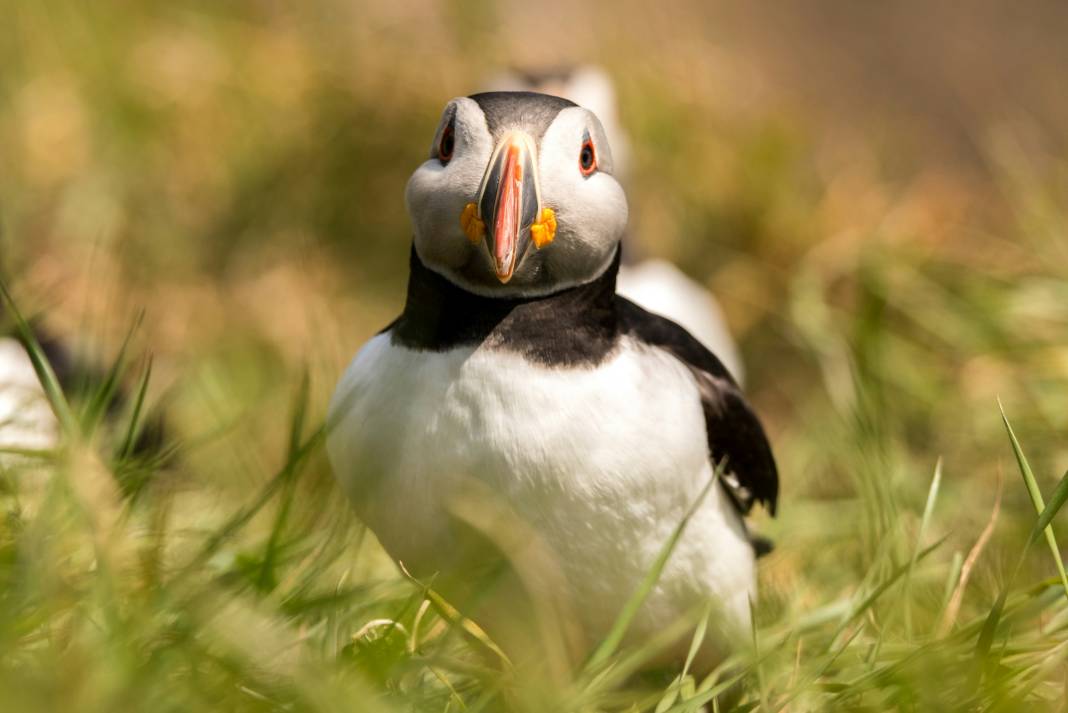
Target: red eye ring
(587, 158)
(447, 144)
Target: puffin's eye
(587, 158)
(447, 144)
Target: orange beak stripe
(506, 217)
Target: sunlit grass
(151, 598)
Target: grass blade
(1036, 497)
(622, 623)
(952, 577)
(758, 666)
(472, 632)
(1056, 501)
(138, 407)
(267, 580)
(104, 395)
(925, 522)
(990, 626)
(676, 687)
(949, 613)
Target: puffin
(656, 284)
(523, 438)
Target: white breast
(600, 462)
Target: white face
(510, 177)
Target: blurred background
(876, 193)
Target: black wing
(733, 429)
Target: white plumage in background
(27, 423)
(26, 420)
(654, 283)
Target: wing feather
(734, 431)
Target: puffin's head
(517, 197)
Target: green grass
(115, 603)
(152, 599)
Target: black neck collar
(578, 325)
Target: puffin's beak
(508, 202)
